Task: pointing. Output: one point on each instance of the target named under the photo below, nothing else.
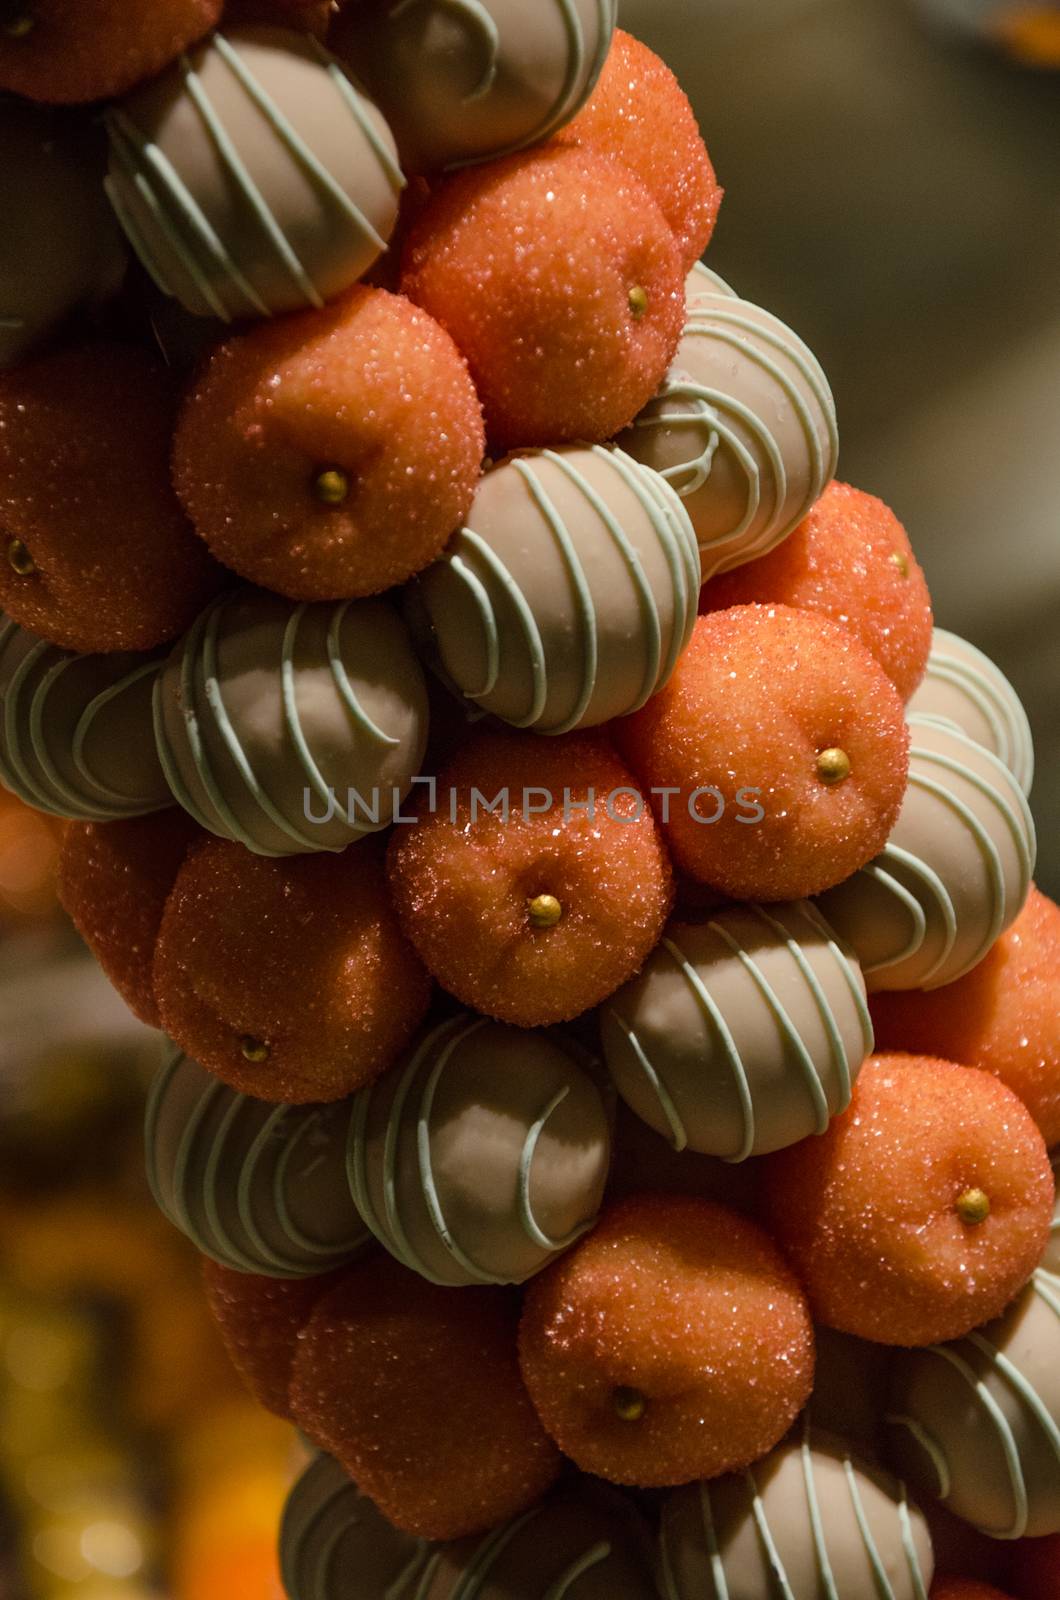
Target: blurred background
(892, 177)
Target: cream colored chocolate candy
(953, 875)
(252, 177)
(1051, 1258)
(963, 689)
(744, 428)
(482, 1155)
(467, 80)
(567, 598)
(810, 1522)
(740, 1035)
(701, 285)
(292, 728)
(334, 1542)
(976, 1423)
(61, 247)
(259, 1188)
(75, 731)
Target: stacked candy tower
(527, 789)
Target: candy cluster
(527, 789)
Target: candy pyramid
(614, 1027)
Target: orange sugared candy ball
(416, 1391)
(287, 978)
(72, 51)
(308, 16)
(672, 1344)
(536, 916)
(964, 1589)
(96, 553)
(639, 113)
(114, 881)
(1036, 1568)
(558, 277)
(260, 1320)
(1001, 1016)
(922, 1211)
(850, 560)
(785, 749)
(332, 454)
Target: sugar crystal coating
(80, 50)
(416, 1390)
(260, 1320)
(531, 264)
(686, 1305)
(869, 1213)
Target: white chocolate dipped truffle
(1051, 1258)
(292, 728)
(744, 428)
(952, 877)
(468, 80)
(701, 285)
(62, 248)
(963, 689)
(976, 1423)
(332, 1536)
(567, 598)
(809, 1522)
(252, 177)
(75, 731)
(482, 1155)
(259, 1188)
(741, 1035)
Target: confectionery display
(607, 1060)
(416, 1391)
(292, 728)
(777, 752)
(743, 427)
(54, 51)
(305, 467)
(977, 1422)
(850, 560)
(568, 313)
(463, 83)
(741, 1034)
(482, 1155)
(674, 1343)
(1000, 1016)
(539, 884)
(236, 925)
(99, 554)
(954, 874)
(63, 250)
(75, 736)
(568, 595)
(924, 1208)
(259, 1188)
(810, 1519)
(114, 881)
(963, 689)
(254, 177)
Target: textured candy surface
(556, 274)
(114, 880)
(260, 1320)
(288, 979)
(113, 562)
(850, 560)
(873, 1214)
(964, 689)
(371, 391)
(639, 113)
(94, 49)
(1001, 1016)
(757, 699)
(672, 1344)
(468, 882)
(416, 1390)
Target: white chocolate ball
(567, 598)
(743, 1034)
(954, 874)
(292, 728)
(252, 177)
(963, 689)
(332, 1534)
